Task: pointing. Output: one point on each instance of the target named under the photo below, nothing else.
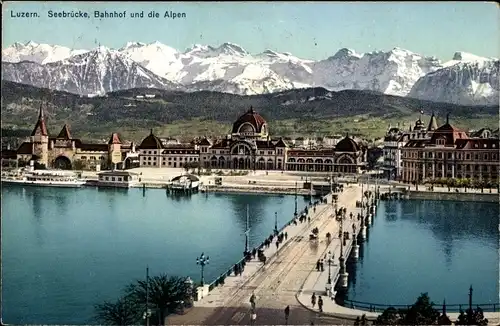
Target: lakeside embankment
(455, 196)
(277, 182)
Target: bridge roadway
(276, 284)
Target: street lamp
(247, 230)
(341, 258)
(202, 261)
(276, 222)
(147, 313)
(295, 214)
(329, 261)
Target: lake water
(439, 247)
(64, 250)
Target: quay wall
(260, 190)
(456, 196)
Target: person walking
(320, 304)
(313, 300)
(252, 301)
(318, 267)
(287, 314)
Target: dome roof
(151, 142)
(247, 121)
(347, 145)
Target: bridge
(289, 276)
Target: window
(450, 155)
(112, 178)
(149, 152)
(84, 157)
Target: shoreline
(284, 189)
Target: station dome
(151, 142)
(250, 122)
(347, 145)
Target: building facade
(63, 151)
(451, 153)
(394, 141)
(250, 147)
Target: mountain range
(466, 79)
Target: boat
(118, 179)
(184, 183)
(44, 178)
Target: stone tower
(40, 139)
(114, 150)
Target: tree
(122, 312)
(472, 317)
(422, 312)
(390, 316)
(166, 293)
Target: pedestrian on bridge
(252, 301)
(313, 300)
(277, 245)
(320, 304)
(287, 314)
(286, 235)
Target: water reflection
(433, 246)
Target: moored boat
(44, 178)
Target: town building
(451, 153)
(66, 152)
(396, 138)
(250, 147)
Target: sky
(307, 30)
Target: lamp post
(202, 261)
(246, 233)
(276, 222)
(310, 192)
(295, 213)
(341, 258)
(147, 313)
(329, 261)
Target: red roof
(251, 117)
(449, 133)
(115, 139)
(40, 127)
(64, 134)
(25, 148)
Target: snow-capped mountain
(39, 53)
(95, 72)
(463, 82)
(230, 68)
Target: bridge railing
(375, 307)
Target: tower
(114, 150)
(40, 139)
